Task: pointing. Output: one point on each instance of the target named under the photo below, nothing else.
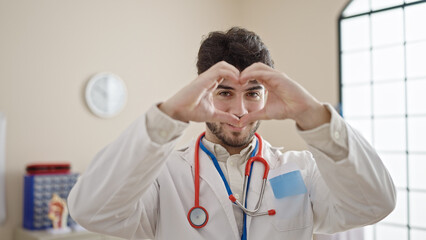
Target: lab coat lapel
(209, 174)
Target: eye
(224, 93)
(253, 94)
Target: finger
(255, 67)
(252, 117)
(229, 74)
(224, 69)
(225, 65)
(262, 76)
(220, 116)
(217, 75)
(214, 85)
(257, 71)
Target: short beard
(216, 130)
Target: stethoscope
(197, 215)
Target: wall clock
(106, 95)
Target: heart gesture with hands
(286, 99)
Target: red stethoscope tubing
(197, 171)
(197, 187)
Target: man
(138, 187)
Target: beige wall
(50, 49)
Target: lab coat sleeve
(118, 193)
(350, 186)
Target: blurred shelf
(23, 234)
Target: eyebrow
(258, 87)
(224, 87)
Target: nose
(238, 107)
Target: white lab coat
(138, 189)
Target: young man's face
(238, 100)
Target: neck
(233, 150)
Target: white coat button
(237, 196)
(231, 163)
(336, 135)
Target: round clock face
(106, 95)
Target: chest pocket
(289, 197)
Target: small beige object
(58, 212)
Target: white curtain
(2, 168)
(354, 234)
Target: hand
(285, 99)
(195, 101)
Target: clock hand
(102, 92)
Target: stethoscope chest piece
(198, 217)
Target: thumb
(252, 117)
(220, 116)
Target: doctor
(139, 187)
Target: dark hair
(238, 47)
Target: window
(383, 95)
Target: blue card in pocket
(288, 184)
